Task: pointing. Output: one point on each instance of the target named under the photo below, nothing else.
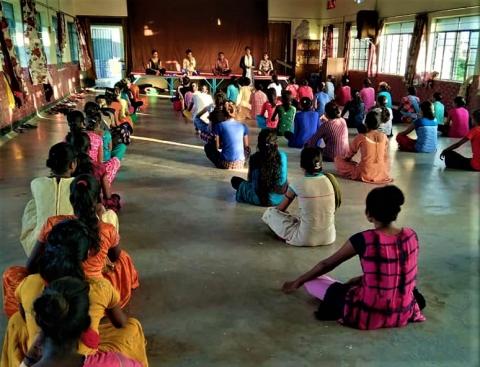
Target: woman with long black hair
(106, 258)
(267, 174)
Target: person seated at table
(455, 160)
(231, 137)
(267, 173)
(222, 67)
(154, 65)
(426, 129)
(189, 65)
(247, 63)
(306, 124)
(266, 65)
(457, 124)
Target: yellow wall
(113, 8)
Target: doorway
(108, 53)
(279, 38)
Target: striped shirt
(335, 134)
(257, 100)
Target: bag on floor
(336, 189)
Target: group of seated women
(221, 66)
(66, 304)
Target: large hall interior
(254, 183)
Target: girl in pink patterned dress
(76, 122)
(385, 295)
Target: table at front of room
(213, 81)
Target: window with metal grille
(15, 30)
(73, 41)
(335, 41)
(394, 45)
(455, 47)
(358, 51)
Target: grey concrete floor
(211, 271)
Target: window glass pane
(73, 40)
(469, 23)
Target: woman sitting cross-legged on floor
(106, 258)
(305, 125)
(457, 124)
(62, 313)
(51, 195)
(334, 132)
(67, 246)
(426, 129)
(267, 173)
(318, 195)
(266, 119)
(457, 161)
(286, 114)
(373, 146)
(384, 296)
(232, 137)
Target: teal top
(247, 192)
(439, 110)
(388, 96)
(107, 139)
(232, 93)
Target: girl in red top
(458, 161)
(344, 93)
(385, 295)
(305, 91)
(458, 120)
(292, 87)
(269, 108)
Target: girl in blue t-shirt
(426, 129)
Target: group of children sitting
(315, 122)
(65, 304)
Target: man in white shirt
(247, 64)
(200, 100)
